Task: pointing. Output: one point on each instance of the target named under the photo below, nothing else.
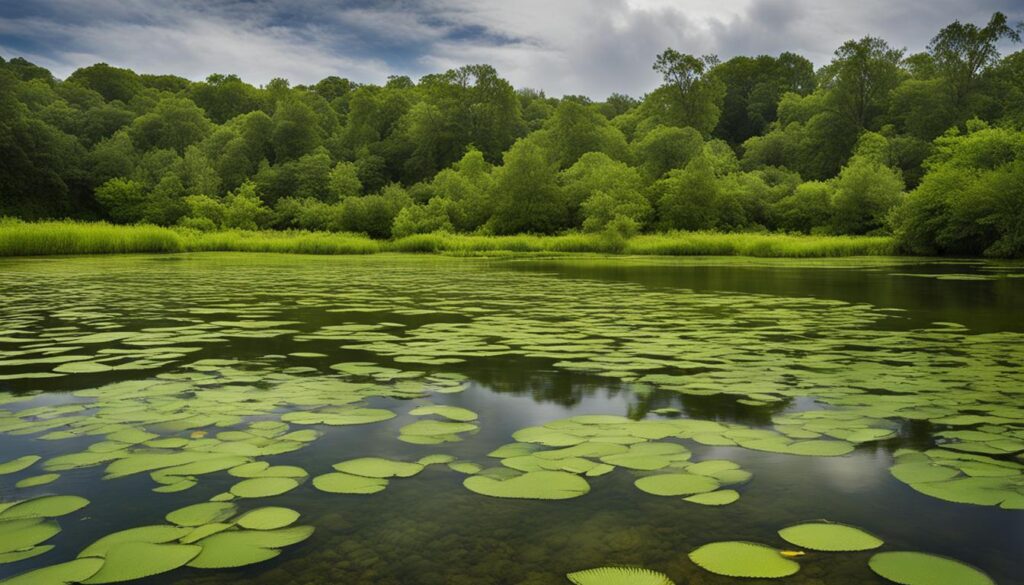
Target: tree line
(927, 146)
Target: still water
(188, 347)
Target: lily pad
(37, 480)
(75, 571)
(28, 532)
(134, 560)
(535, 485)
(269, 518)
(344, 483)
(378, 467)
(915, 568)
(715, 498)
(16, 465)
(743, 559)
(263, 487)
(204, 513)
(44, 507)
(155, 534)
(676, 484)
(619, 576)
(829, 536)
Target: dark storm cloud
(563, 46)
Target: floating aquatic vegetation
(43, 507)
(37, 480)
(18, 535)
(238, 548)
(829, 536)
(454, 413)
(263, 487)
(344, 483)
(914, 568)
(204, 513)
(128, 561)
(962, 478)
(534, 485)
(18, 464)
(269, 518)
(676, 484)
(715, 498)
(743, 559)
(76, 571)
(155, 534)
(378, 467)
(619, 576)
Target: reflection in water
(705, 337)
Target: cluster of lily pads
(178, 418)
(741, 559)
(209, 535)
(592, 445)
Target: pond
(424, 419)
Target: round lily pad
(21, 534)
(204, 513)
(44, 507)
(263, 487)
(37, 480)
(619, 576)
(156, 534)
(16, 465)
(829, 536)
(75, 571)
(715, 498)
(238, 548)
(914, 568)
(269, 518)
(535, 485)
(344, 483)
(378, 467)
(743, 559)
(676, 484)
(134, 560)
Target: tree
(866, 190)
(971, 200)
(124, 200)
(295, 131)
(174, 123)
(619, 185)
(686, 197)
(807, 209)
(753, 88)
(665, 148)
(860, 77)
(575, 129)
(112, 83)
(344, 181)
(526, 192)
(244, 210)
(689, 96)
(224, 96)
(962, 52)
(422, 219)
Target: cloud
(562, 46)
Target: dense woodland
(927, 146)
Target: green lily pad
(238, 548)
(44, 507)
(268, 518)
(715, 498)
(829, 536)
(25, 553)
(263, 487)
(743, 559)
(619, 576)
(204, 513)
(75, 571)
(27, 532)
(378, 467)
(134, 560)
(914, 568)
(155, 534)
(449, 412)
(16, 465)
(37, 480)
(535, 485)
(344, 483)
(676, 484)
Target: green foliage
(971, 201)
(718, 146)
(526, 192)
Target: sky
(588, 47)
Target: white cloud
(562, 46)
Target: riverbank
(68, 238)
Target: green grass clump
(18, 238)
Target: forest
(926, 147)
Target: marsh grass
(18, 238)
